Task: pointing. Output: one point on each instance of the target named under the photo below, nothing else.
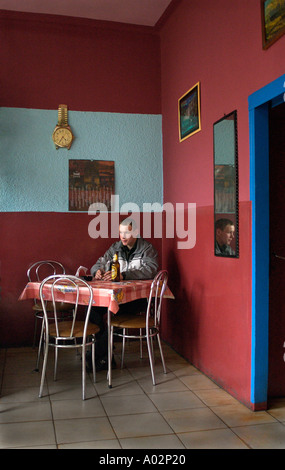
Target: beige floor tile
(239, 415)
(21, 412)
(132, 359)
(263, 436)
(175, 363)
(68, 390)
(118, 389)
(119, 376)
(144, 371)
(73, 374)
(192, 420)
(147, 424)
(164, 383)
(152, 442)
(67, 409)
(215, 397)
(107, 444)
(198, 382)
(23, 364)
(23, 395)
(26, 434)
(83, 430)
(43, 447)
(175, 400)
(213, 439)
(277, 409)
(130, 404)
(30, 379)
(186, 370)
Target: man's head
(128, 232)
(225, 231)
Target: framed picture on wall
(273, 21)
(90, 182)
(189, 113)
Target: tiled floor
(185, 410)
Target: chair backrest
(65, 283)
(41, 269)
(158, 287)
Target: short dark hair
(129, 221)
(222, 223)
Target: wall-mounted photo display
(273, 21)
(189, 113)
(90, 182)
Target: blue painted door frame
(258, 105)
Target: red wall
(27, 237)
(92, 66)
(209, 323)
(219, 44)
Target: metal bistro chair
(37, 272)
(148, 324)
(71, 334)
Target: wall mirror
(226, 186)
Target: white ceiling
(139, 12)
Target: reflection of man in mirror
(225, 233)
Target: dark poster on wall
(90, 182)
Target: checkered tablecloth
(105, 294)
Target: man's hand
(107, 276)
(102, 276)
(99, 274)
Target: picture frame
(273, 21)
(189, 113)
(91, 182)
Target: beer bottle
(115, 268)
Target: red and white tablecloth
(105, 294)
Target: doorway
(276, 329)
(259, 104)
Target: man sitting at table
(138, 260)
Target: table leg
(110, 352)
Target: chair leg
(111, 348)
(150, 358)
(83, 371)
(152, 350)
(93, 346)
(161, 353)
(40, 346)
(55, 360)
(44, 368)
(123, 348)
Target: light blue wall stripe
(34, 176)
